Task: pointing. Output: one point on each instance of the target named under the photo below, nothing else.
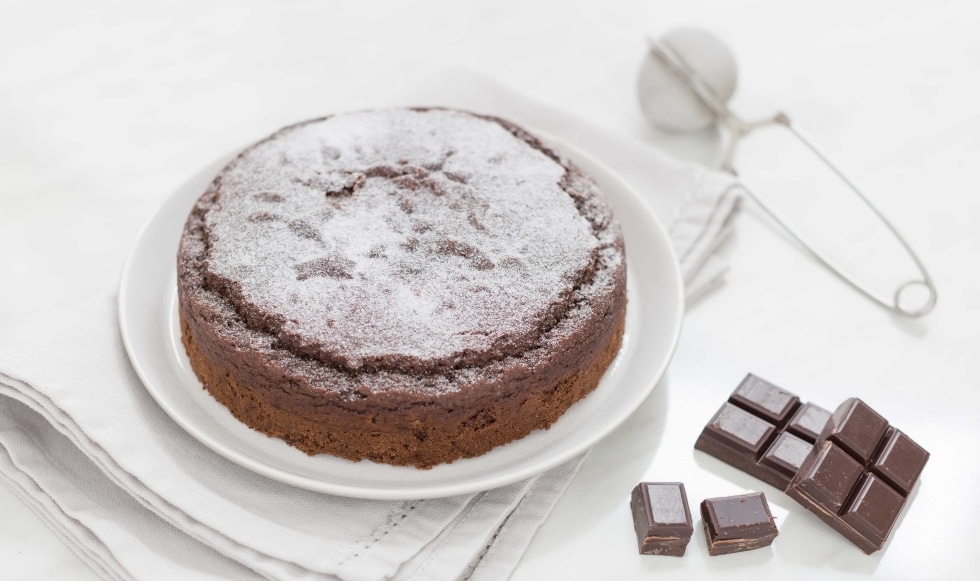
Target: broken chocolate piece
(661, 518)
(733, 524)
(859, 474)
(763, 430)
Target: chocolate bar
(733, 524)
(661, 518)
(764, 431)
(859, 474)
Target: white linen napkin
(84, 445)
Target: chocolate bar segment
(858, 476)
(900, 461)
(808, 421)
(763, 430)
(740, 430)
(828, 477)
(786, 454)
(764, 399)
(874, 509)
(734, 524)
(856, 428)
(661, 518)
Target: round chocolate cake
(410, 286)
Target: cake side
(422, 435)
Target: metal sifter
(706, 70)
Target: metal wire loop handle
(739, 128)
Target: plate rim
(577, 156)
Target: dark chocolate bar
(661, 518)
(737, 523)
(763, 430)
(859, 474)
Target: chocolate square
(661, 518)
(739, 523)
(856, 428)
(741, 430)
(786, 454)
(808, 421)
(873, 510)
(828, 476)
(900, 461)
(764, 399)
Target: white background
(124, 100)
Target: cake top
(428, 236)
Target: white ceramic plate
(151, 333)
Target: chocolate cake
(410, 286)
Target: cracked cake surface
(410, 286)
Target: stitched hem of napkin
(21, 391)
(85, 517)
(493, 507)
(515, 533)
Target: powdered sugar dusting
(429, 235)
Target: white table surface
(890, 88)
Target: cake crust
(340, 373)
